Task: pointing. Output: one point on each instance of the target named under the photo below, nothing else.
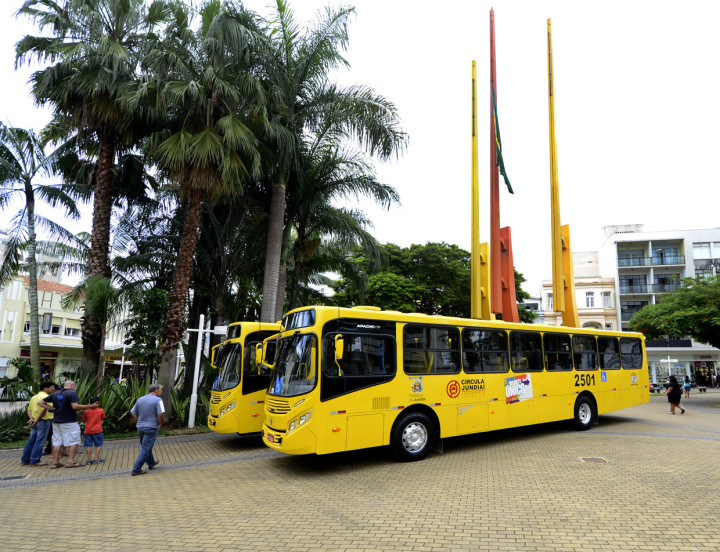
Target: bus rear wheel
(584, 413)
(413, 437)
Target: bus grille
(215, 397)
(381, 403)
(277, 406)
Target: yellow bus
(238, 393)
(352, 378)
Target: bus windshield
(229, 366)
(295, 372)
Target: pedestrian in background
(674, 394)
(94, 432)
(149, 415)
(686, 387)
(39, 420)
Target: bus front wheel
(413, 437)
(584, 413)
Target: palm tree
(297, 65)
(203, 81)
(22, 160)
(92, 53)
(322, 232)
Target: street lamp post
(218, 330)
(669, 362)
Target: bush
(13, 426)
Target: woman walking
(674, 394)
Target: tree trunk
(98, 255)
(273, 252)
(32, 283)
(175, 321)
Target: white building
(630, 270)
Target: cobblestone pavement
(652, 486)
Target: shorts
(67, 434)
(93, 439)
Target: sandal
(56, 466)
(74, 465)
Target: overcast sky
(637, 113)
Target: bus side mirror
(265, 352)
(215, 354)
(339, 351)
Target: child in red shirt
(93, 432)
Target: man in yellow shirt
(39, 420)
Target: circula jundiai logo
(453, 389)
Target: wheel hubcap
(584, 413)
(414, 437)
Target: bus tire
(413, 437)
(585, 413)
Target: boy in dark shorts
(94, 432)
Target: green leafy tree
(433, 279)
(22, 160)
(691, 310)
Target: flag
(498, 145)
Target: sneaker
(139, 473)
(100, 460)
(90, 462)
(152, 467)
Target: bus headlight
(227, 409)
(297, 422)
(305, 417)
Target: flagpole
(495, 276)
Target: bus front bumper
(300, 441)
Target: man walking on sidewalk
(149, 414)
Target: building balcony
(666, 260)
(667, 286)
(636, 288)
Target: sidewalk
(173, 452)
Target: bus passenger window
(484, 350)
(526, 351)
(557, 352)
(431, 350)
(363, 355)
(585, 352)
(609, 353)
(631, 350)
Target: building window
(74, 332)
(703, 273)
(589, 299)
(27, 327)
(702, 250)
(549, 301)
(607, 300)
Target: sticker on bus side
(518, 388)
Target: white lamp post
(218, 330)
(669, 362)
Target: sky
(637, 113)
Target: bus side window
(609, 353)
(584, 352)
(484, 350)
(526, 351)
(631, 350)
(431, 350)
(557, 352)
